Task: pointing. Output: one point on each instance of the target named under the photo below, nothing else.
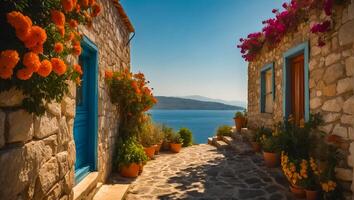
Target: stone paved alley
(203, 172)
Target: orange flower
(61, 30)
(108, 74)
(31, 61)
(78, 80)
(18, 20)
(91, 2)
(24, 74)
(96, 9)
(45, 69)
(78, 8)
(5, 73)
(68, 5)
(36, 36)
(37, 49)
(23, 34)
(59, 66)
(58, 47)
(58, 17)
(76, 49)
(74, 2)
(78, 69)
(84, 3)
(9, 59)
(73, 23)
(70, 36)
(154, 100)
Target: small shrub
(167, 133)
(224, 130)
(146, 134)
(129, 151)
(239, 114)
(187, 136)
(176, 139)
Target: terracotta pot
(166, 146)
(157, 148)
(150, 151)
(238, 123)
(175, 147)
(130, 171)
(256, 147)
(311, 194)
(298, 192)
(271, 159)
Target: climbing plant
(37, 37)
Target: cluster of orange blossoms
(33, 38)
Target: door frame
(89, 47)
(302, 48)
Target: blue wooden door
(85, 124)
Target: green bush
(168, 132)
(187, 136)
(176, 139)
(224, 130)
(129, 151)
(239, 114)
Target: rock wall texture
(330, 81)
(37, 154)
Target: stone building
(298, 77)
(68, 152)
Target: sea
(203, 123)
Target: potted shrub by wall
(239, 121)
(187, 136)
(167, 134)
(176, 143)
(158, 137)
(146, 138)
(223, 130)
(130, 157)
(271, 150)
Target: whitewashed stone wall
(37, 154)
(330, 80)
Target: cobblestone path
(203, 172)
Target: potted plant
(158, 137)
(187, 136)
(167, 134)
(294, 173)
(223, 130)
(239, 121)
(256, 137)
(176, 143)
(311, 180)
(271, 148)
(146, 138)
(130, 157)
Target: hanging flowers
(35, 60)
(286, 21)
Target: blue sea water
(203, 123)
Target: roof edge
(124, 16)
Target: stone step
(221, 144)
(227, 139)
(112, 192)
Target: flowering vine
(286, 21)
(133, 96)
(36, 39)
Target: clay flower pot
(239, 123)
(256, 147)
(150, 151)
(157, 148)
(130, 171)
(175, 147)
(297, 191)
(311, 194)
(271, 159)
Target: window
(267, 88)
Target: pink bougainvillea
(286, 21)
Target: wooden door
(297, 88)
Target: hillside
(174, 103)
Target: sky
(188, 47)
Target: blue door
(85, 124)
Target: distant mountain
(175, 103)
(202, 98)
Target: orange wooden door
(297, 88)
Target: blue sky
(188, 47)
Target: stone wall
(37, 154)
(330, 81)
